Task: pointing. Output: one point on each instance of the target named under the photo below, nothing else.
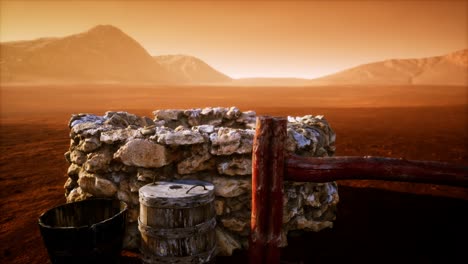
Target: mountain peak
(105, 29)
(101, 54)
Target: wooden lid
(177, 194)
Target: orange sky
(263, 38)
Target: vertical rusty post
(276, 166)
(258, 220)
(267, 190)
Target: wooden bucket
(177, 222)
(89, 231)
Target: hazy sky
(263, 38)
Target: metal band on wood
(172, 203)
(204, 257)
(176, 233)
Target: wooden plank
(259, 218)
(309, 169)
(276, 165)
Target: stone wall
(116, 154)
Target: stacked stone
(116, 154)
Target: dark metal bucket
(89, 231)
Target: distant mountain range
(450, 69)
(101, 54)
(108, 55)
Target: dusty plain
(412, 122)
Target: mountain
(189, 69)
(106, 54)
(450, 69)
(101, 54)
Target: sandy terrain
(428, 123)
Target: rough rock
(239, 203)
(119, 135)
(85, 118)
(89, 144)
(181, 137)
(67, 154)
(228, 187)
(311, 225)
(121, 119)
(69, 185)
(167, 115)
(98, 161)
(236, 166)
(143, 153)
(90, 130)
(147, 175)
(135, 184)
(297, 140)
(193, 116)
(226, 243)
(219, 206)
(246, 141)
(233, 113)
(198, 160)
(73, 171)
(234, 224)
(105, 187)
(292, 204)
(96, 186)
(204, 129)
(148, 130)
(248, 119)
(78, 157)
(213, 116)
(225, 142)
(77, 194)
(124, 196)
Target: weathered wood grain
(276, 166)
(310, 169)
(267, 189)
(177, 222)
(260, 191)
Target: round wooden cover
(177, 194)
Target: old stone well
(116, 154)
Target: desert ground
(409, 223)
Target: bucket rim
(123, 205)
